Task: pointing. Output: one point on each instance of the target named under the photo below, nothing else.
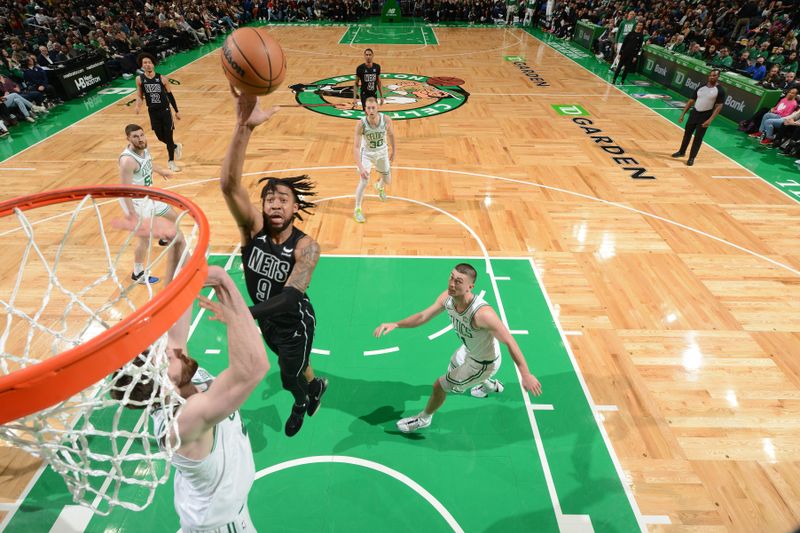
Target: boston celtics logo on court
(406, 96)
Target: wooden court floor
(680, 295)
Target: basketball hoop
(65, 336)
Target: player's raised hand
(531, 384)
(216, 277)
(248, 112)
(219, 311)
(384, 328)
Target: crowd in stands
(39, 37)
(755, 38)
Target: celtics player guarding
(478, 358)
(278, 260)
(370, 148)
(136, 168)
(214, 467)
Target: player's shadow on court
(533, 521)
(583, 455)
(374, 407)
(258, 421)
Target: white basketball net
(108, 454)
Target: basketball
(253, 61)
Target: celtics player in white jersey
(214, 461)
(530, 7)
(373, 146)
(479, 329)
(136, 168)
(511, 10)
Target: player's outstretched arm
(139, 95)
(390, 134)
(415, 320)
(486, 318)
(163, 172)
(356, 87)
(247, 361)
(127, 166)
(357, 149)
(248, 117)
(306, 255)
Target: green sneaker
(358, 216)
(381, 192)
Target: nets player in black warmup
(152, 89)
(278, 260)
(368, 81)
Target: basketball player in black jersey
(278, 261)
(158, 97)
(368, 81)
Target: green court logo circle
(407, 96)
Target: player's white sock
(138, 268)
(362, 186)
(425, 416)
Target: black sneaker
(163, 242)
(690, 162)
(141, 280)
(315, 391)
(295, 420)
(678, 154)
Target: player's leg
(169, 140)
(457, 380)
(292, 346)
(491, 385)
(293, 379)
(140, 252)
(384, 169)
(316, 385)
(161, 122)
(366, 163)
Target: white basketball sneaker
(413, 423)
(490, 386)
(381, 191)
(358, 216)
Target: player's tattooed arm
(306, 256)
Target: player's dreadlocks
(301, 187)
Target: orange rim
(57, 378)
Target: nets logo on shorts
(407, 96)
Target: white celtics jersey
(480, 343)
(211, 492)
(373, 139)
(144, 174)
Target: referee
(368, 81)
(707, 101)
(151, 88)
